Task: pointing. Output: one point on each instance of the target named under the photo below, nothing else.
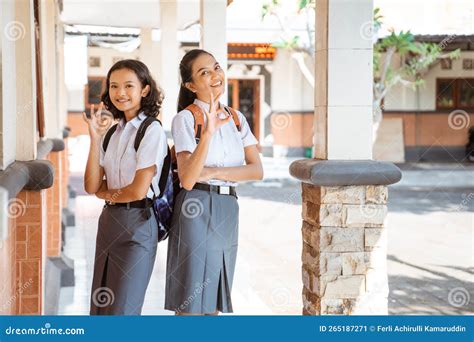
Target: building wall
(107, 58)
(32, 232)
(404, 98)
(7, 90)
(290, 90)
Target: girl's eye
(218, 67)
(205, 73)
(113, 86)
(129, 86)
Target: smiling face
(126, 92)
(207, 77)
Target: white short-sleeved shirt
(121, 161)
(226, 148)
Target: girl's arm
(253, 169)
(94, 172)
(190, 165)
(135, 191)
(98, 126)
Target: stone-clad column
(344, 191)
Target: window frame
(456, 90)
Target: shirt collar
(136, 121)
(202, 104)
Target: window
(94, 62)
(455, 93)
(468, 64)
(94, 90)
(446, 64)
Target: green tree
(416, 58)
(302, 53)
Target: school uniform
(128, 235)
(202, 246)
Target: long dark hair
(150, 105)
(186, 96)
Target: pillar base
(59, 273)
(344, 237)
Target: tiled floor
(267, 276)
(265, 280)
(80, 246)
(429, 249)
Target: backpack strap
(235, 116)
(164, 174)
(142, 130)
(167, 161)
(139, 137)
(108, 135)
(199, 119)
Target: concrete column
(11, 31)
(213, 32)
(343, 88)
(26, 83)
(146, 55)
(169, 59)
(61, 80)
(150, 53)
(49, 68)
(344, 191)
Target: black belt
(220, 189)
(144, 203)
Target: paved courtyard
(430, 243)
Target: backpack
(163, 203)
(198, 116)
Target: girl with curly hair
(125, 173)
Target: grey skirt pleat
(202, 251)
(125, 254)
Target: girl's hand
(98, 124)
(214, 122)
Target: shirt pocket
(128, 165)
(234, 146)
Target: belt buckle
(109, 203)
(224, 190)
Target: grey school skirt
(125, 254)
(202, 250)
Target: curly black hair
(151, 104)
